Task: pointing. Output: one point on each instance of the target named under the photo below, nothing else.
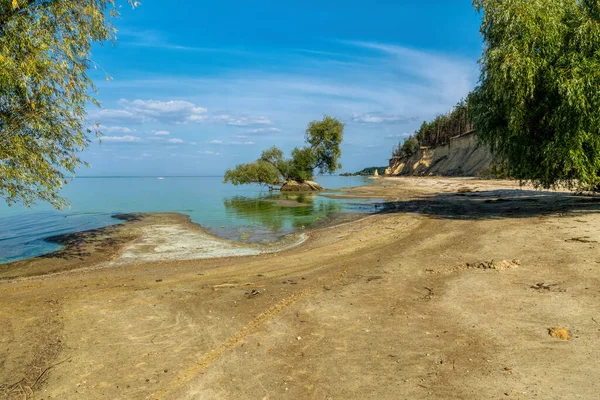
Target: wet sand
(449, 293)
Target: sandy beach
(451, 292)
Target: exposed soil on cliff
(452, 292)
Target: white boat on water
(160, 178)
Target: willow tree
(44, 88)
(322, 152)
(538, 101)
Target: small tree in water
(322, 152)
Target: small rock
(559, 333)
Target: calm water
(241, 213)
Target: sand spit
(143, 237)
(169, 242)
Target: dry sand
(452, 292)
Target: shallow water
(242, 213)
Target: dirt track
(401, 305)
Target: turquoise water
(240, 213)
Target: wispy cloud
(158, 40)
(112, 129)
(178, 111)
(161, 133)
(247, 143)
(211, 153)
(124, 139)
(234, 143)
(263, 130)
(175, 141)
(381, 118)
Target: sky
(194, 88)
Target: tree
(44, 89)
(538, 98)
(260, 172)
(271, 169)
(324, 138)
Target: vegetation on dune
(538, 101)
(44, 89)
(322, 152)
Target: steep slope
(463, 156)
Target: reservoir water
(247, 213)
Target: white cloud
(167, 111)
(126, 139)
(248, 121)
(175, 140)
(235, 143)
(213, 153)
(161, 133)
(111, 116)
(263, 130)
(398, 135)
(146, 155)
(380, 118)
(112, 129)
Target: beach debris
(543, 286)
(159, 280)
(559, 333)
(252, 293)
(498, 265)
(485, 265)
(429, 294)
(465, 189)
(583, 239)
(231, 285)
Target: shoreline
(426, 300)
(153, 237)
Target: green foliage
(538, 101)
(271, 169)
(439, 131)
(44, 88)
(303, 163)
(408, 147)
(260, 172)
(324, 138)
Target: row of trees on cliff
(439, 131)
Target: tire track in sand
(213, 355)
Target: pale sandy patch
(183, 242)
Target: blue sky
(198, 87)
